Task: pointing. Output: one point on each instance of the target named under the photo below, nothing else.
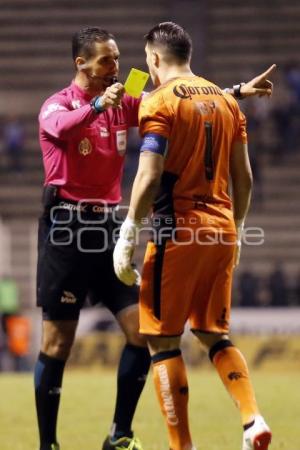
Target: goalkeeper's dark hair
(83, 41)
(174, 38)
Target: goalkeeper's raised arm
(259, 85)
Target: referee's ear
(80, 63)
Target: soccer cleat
(257, 437)
(54, 446)
(129, 443)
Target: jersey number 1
(208, 157)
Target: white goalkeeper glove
(239, 225)
(123, 253)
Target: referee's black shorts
(75, 259)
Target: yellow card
(135, 83)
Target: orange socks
(233, 371)
(172, 390)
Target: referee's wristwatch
(97, 104)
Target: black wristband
(237, 90)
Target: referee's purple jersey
(83, 152)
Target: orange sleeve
(155, 116)
(241, 127)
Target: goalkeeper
(194, 140)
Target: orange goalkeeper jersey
(201, 123)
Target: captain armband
(155, 143)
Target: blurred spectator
(9, 304)
(292, 75)
(278, 287)
(18, 340)
(248, 289)
(9, 296)
(13, 143)
(286, 110)
(3, 345)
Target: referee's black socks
(48, 376)
(132, 373)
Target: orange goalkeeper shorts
(186, 282)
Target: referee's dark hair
(83, 41)
(173, 38)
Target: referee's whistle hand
(113, 95)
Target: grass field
(87, 403)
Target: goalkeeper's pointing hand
(259, 85)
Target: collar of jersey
(81, 92)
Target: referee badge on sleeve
(121, 141)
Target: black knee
(58, 348)
(218, 346)
(163, 355)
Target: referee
(83, 141)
